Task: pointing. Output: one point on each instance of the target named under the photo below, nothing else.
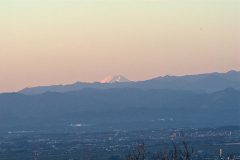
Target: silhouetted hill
(127, 108)
(210, 82)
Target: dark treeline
(183, 152)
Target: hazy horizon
(45, 42)
(106, 77)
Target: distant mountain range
(209, 82)
(205, 100)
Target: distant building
(221, 154)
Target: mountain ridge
(208, 82)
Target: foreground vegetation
(184, 152)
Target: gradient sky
(45, 42)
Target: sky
(45, 42)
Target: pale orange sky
(44, 42)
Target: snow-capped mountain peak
(114, 79)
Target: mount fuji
(114, 79)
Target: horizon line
(94, 82)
